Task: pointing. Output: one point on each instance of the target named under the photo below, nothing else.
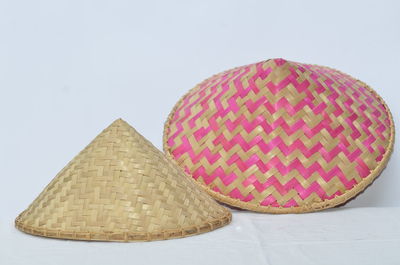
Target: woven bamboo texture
(281, 137)
(121, 188)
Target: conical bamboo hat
(281, 137)
(121, 188)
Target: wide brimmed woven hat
(281, 137)
(121, 188)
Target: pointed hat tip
(280, 61)
(119, 121)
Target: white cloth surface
(337, 236)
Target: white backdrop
(69, 68)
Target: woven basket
(121, 188)
(281, 137)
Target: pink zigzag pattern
(313, 83)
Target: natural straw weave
(121, 188)
(281, 137)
